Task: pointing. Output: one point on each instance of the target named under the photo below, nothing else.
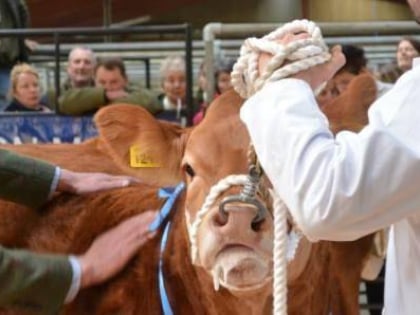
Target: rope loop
(287, 59)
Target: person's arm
(25, 180)
(79, 101)
(345, 187)
(31, 182)
(144, 98)
(33, 281)
(42, 283)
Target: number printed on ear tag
(141, 159)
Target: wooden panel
(53, 13)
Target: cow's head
(233, 244)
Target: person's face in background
(415, 8)
(342, 79)
(27, 90)
(327, 94)
(223, 82)
(110, 80)
(174, 85)
(80, 67)
(405, 54)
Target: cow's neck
(190, 288)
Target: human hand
(114, 95)
(112, 250)
(31, 44)
(314, 76)
(82, 183)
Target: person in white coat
(344, 187)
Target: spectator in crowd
(173, 82)
(201, 98)
(328, 93)
(25, 90)
(80, 66)
(81, 62)
(222, 75)
(111, 86)
(221, 84)
(356, 63)
(408, 49)
(13, 14)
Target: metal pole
(189, 74)
(147, 65)
(57, 70)
(107, 17)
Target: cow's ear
(140, 144)
(349, 110)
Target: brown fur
(68, 224)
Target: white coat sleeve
(345, 187)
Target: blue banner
(20, 128)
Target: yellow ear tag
(140, 159)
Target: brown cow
(232, 250)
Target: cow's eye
(189, 170)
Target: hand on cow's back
(82, 183)
(112, 250)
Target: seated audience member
(111, 86)
(222, 75)
(356, 63)
(81, 62)
(408, 49)
(173, 82)
(201, 99)
(222, 84)
(327, 94)
(25, 90)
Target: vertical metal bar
(189, 74)
(147, 65)
(107, 17)
(57, 69)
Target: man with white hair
(81, 62)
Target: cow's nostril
(256, 225)
(221, 218)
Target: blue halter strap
(171, 194)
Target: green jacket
(31, 281)
(79, 101)
(18, 173)
(13, 14)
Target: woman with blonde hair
(25, 90)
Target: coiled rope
(287, 60)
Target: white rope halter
(300, 54)
(287, 60)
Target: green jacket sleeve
(81, 101)
(25, 180)
(144, 98)
(34, 282)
